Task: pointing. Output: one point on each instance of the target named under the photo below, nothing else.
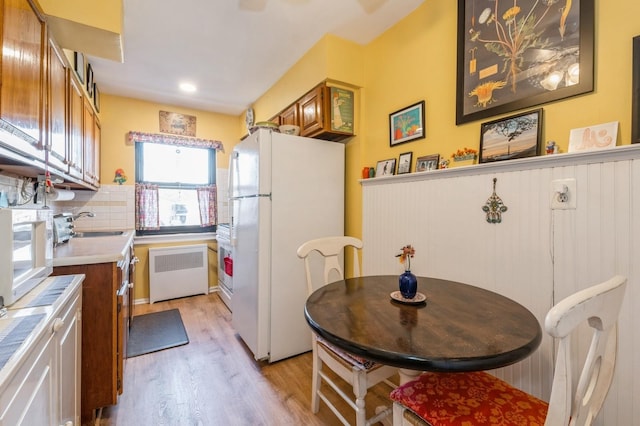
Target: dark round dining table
(459, 327)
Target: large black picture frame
(555, 40)
(635, 94)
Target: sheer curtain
(207, 202)
(147, 217)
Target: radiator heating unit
(178, 272)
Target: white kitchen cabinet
(40, 384)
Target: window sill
(174, 238)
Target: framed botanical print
(520, 53)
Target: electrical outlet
(563, 194)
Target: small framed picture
(79, 66)
(592, 138)
(96, 97)
(386, 167)
(89, 81)
(404, 163)
(407, 124)
(427, 163)
(517, 136)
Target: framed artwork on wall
(89, 81)
(96, 97)
(407, 124)
(79, 66)
(512, 137)
(386, 167)
(404, 163)
(427, 163)
(520, 53)
(177, 124)
(635, 94)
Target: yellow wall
(414, 60)
(119, 116)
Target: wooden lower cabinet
(103, 334)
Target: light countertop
(92, 250)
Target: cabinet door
(76, 114)
(23, 76)
(69, 358)
(28, 398)
(88, 168)
(123, 331)
(289, 115)
(311, 112)
(97, 134)
(57, 109)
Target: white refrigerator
(284, 190)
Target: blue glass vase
(408, 285)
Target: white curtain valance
(175, 140)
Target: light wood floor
(214, 379)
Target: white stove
(225, 264)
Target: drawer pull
(57, 324)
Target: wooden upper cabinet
(57, 109)
(325, 112)
(91, 130)
(289, 116)
(76, 130)
(23, 76)
(311, 112)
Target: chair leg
(315, 379)
(360, 391)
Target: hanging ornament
(494, 207)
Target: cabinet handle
(57, 324)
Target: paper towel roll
(60, 195)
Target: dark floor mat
(156, 331)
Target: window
(177, 173)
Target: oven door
(225, 271)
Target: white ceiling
(232, 50)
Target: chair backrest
(599, 306)
(330, 248)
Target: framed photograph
(404, 163)
(386, 167)
(96, 97)
(427, 163)
(517, 136)
(407, 124)
(89, 80)
(635, 94)
(516, 54)
(177, 124)
(79, 66)
(593, 138)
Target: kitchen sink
(88, 234)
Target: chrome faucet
(82, 214)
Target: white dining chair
(439, 399)
(358, 372)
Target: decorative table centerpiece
(408, 282)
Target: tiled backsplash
(113, 205)
(222, 184)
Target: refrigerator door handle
(233, 158)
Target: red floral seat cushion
(469, 399)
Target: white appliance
(26, 251)
(284, 191)
(225, 264)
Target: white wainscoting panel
(536, 255)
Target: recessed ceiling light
(187, 87)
